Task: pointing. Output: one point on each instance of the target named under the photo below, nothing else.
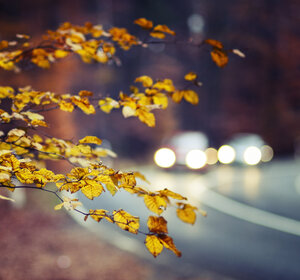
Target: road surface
(253, 226)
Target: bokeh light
(226, 154)
(252, 155)
(195, 159)
(164, 157)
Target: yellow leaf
(174, 195)
(39, 123)
(166, 85)
(68, 203)
(144, 23)
(157, 34)
(92, 189)
(157, 224)
(126, 221)
(66, 106)
(168, 243)
(84, 104)
(6, 92)
(98, 214)
(146, 117)
(111, 188)
(219, 57)
(60, 53)
(155, 203)
(161, 100)
(107, 104)
(186, 213)
(164, 28)
(83, 93)
(90, 140)
(177, 96)
(145, 80)
(127, 112)
(191, 96)
(214, 43)
(191, 76)
(33, 116)
(16, 132)
(153, 245)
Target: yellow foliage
(154, 245)
(126, 221)
(145, 80)
(157, 224)
(144, 23)
(98, 214)
(191, 76)
(186, 213)
(155, 203)
(219, 57)
(92, 189)
(90, 140)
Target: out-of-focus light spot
(164, 157)
(195, 159)
(252, 155)
(212, 156)
(63, 262)
(226, 154)
(266, 153)
(196, 23)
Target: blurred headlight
(252, 155)
(212, 156)
(226, 154)
(195, 159)
(164, 157)
(266, 153)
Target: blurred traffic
(191, 150)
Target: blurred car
(184, 149)
(245, 148)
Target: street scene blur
(235, 155)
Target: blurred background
(257, 97)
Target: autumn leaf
(153, 245)
(157, 224)
(191, 96)
(92, 189)
(126, 221)
(155, 203)
(146, 117)
(219, 57)
(144, 23)
(172, 194)
(163, 28)
(90, 140)
(177, 96)
(168, 243)
(214, 43)
(191, 76)
(145, 80)
(157, 34)
(186, 213)
(98, 214)
(68, 203)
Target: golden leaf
(33, 116)
(191, 76)
(166, 85)
(68, 203)
(174, 195)
(186, 213)
(90, 140)
(153, 245)
(214, 43)
(60, 53)
(107, 104)
(219, 57)
(146, 117)
(163, 28)
(92, 189)
(155, 203)
(157, 224)
(191, 96)
(98, 214)
(168, 243)
(128, 111)
(177, 96)
(145, 80)
(126, 221)
(83, 104)
(144, 23)
(158, 35)
(161, 100)
(66, 106)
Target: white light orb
(226, 154)
(164, 157)
(195, 159)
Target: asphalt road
(253, 226)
